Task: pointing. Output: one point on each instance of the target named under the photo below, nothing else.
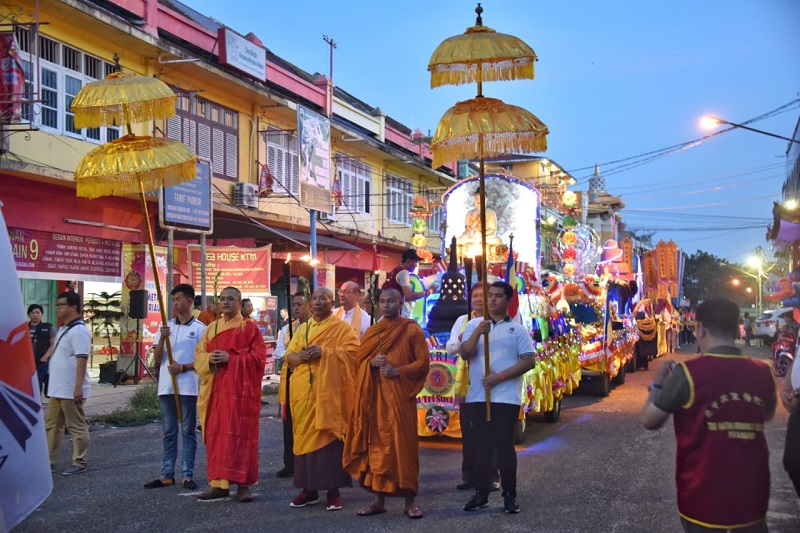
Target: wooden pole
(486, 363)
(160, 298)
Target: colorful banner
(57, 256)
(24, 464)
(247, 269)
(437, 409)
(314, 133)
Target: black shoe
(477, 502)
(495, 486)
(285, 472)
(510, 504)
(464, 485)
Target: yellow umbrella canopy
(122, 99)
(483, 127)
(119, 166)
(480, 54)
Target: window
(400, 196)
(282, 160)
(435, 220)
(356, 183)
(200, 124)
(62, 72)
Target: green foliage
(106, 312)
(144, 408)
(703, 276)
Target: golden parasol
(484, 126)
(132, 164)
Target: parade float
(512, 209)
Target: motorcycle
(783, 351)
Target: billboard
(187, 206)
(314, 135)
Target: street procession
(246, 283)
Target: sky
(615, 80)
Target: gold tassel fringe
(468, 147)
(119, 114)
(128, 183)
(460, 73)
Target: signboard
(247, 269)
(241, 54)
(55, 256)
(187, 206)
(314, 133)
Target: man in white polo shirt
(69, 384)
(184, 333)
(511, 355)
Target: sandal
(413, 512)
(158, 483)
(371, 510)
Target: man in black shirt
(42, 335)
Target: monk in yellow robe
(230, 359)
(381, 444)
(322, 353)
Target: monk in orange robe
(322, 353)
(381, 445)
(230, 359)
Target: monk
(322, 353)
(230, 359)
(381, 445)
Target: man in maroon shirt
(719, 402)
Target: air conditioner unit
(322, 216)
(245, 195)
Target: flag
(511, 279)
(265, 182)
(24, 460)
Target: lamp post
(755, 262)
(709, 122)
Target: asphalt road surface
(596, 469)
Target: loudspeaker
(138, 304)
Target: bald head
(321, 303)
(391, 303)
(348, 294)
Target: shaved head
(397, 293)
(321, 303)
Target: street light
(709, 122)
(755, 262)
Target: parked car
(770, 322)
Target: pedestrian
(301, 313)
(230, 359)
(381, 447)
(197, 306)
(790, 397)
(511, 356)
(322, 354)
(284, 316)
(468, 436)
(748, 329)
(184, 332)
(399, 278)
(350, 311)
(719, 403)
(209, 314)
(42, 336)
(69, 386)
(247, 308)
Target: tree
(703, 276)
(105, 312)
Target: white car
(770, 322)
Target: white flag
(25, 475)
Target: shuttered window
(282, 160)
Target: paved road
(594, 470)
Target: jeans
(169, 422)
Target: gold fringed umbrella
(131, 164)
(122, 99)
(480, 54)
(486, 124)
(117, 167)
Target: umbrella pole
(160, 298)
(486, 366)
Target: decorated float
(512, 209)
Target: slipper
(413, 513)
(369, 511)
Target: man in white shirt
(400, 278)
(184, 332)
(69, 384)
(511, 356)
(301, 313)
(350, 311)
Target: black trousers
(469, 441)
(791, 451)
(288, 436)
(496, 436)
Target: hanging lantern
(569, 199)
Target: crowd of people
(348, 394)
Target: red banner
(59, 256)
(247, 269)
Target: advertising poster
(247, 269)
(314, 134)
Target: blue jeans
(169, 422)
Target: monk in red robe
(230, 359)
(321, 354)
(381, 446)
